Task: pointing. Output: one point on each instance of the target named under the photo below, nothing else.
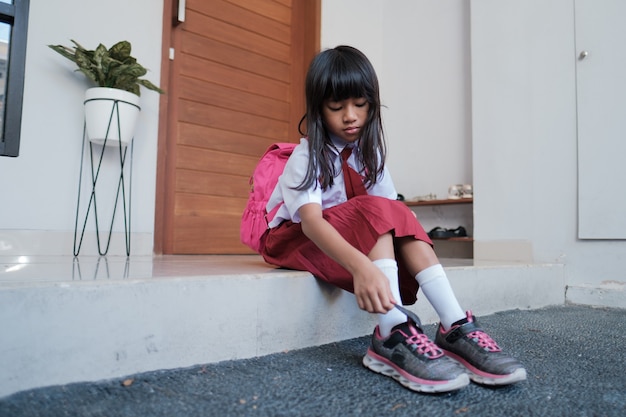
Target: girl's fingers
(365, 303)
(376, 298)
(375, 304)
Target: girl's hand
(372, 290)
(371, 286)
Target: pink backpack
(255, 219)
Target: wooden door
(235, 85)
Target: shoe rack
(443, 203)
(440, 202)
(452, 247)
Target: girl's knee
(383, 249)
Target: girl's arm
(371, 286)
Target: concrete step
(113, 317)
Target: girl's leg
(382, 255)
(422, 262)
(383, 249)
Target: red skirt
(361, 221)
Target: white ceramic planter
(111, 115)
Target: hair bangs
(346, 82)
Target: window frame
(15, 14)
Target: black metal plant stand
(122, 184)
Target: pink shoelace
(484, 341)
(425, 346)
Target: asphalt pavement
(575, 358)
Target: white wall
(420, 50)
(39, 202)
(525, 146)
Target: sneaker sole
(382, 366)
(485, 378)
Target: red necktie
(352, 179)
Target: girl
(339, 219)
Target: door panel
(198, 72)
(234, 87)
(236, 58)
(212, 116)
(236, 35)
(219, 184)
(601, 102)
(207, 137)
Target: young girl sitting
(339, 219)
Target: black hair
(341, 73)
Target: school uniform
(361, 220)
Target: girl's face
(346, 118)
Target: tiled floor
(20, 270)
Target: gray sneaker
(468, 344)
(411, 358)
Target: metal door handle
(581, 56)
(181, 10)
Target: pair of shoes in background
(460, 191)
(463, 353)
(441, 233)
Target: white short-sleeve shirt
(294, 173)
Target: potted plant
(118, 77)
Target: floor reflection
(22, 270)
(100, 270)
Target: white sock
(436, 287)
(387, 321)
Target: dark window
(13, 30)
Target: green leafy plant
(114, 67)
